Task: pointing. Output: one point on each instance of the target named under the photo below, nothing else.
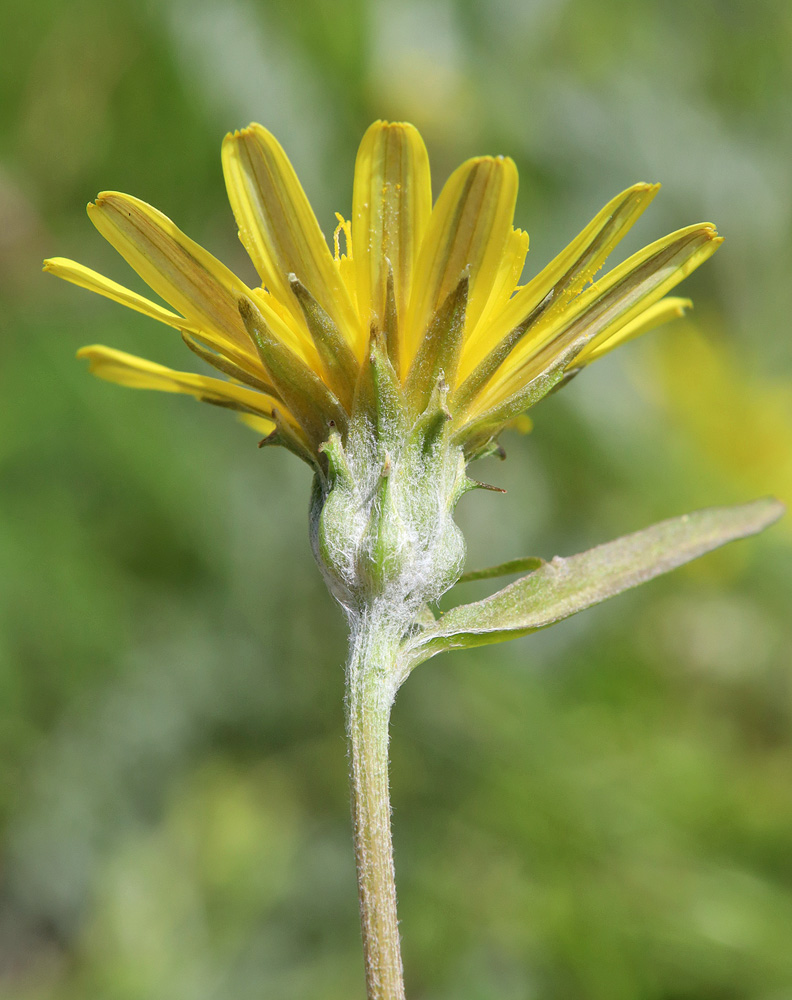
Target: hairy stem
(370, 692)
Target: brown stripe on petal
(468, 230)
(391, 205)
(617, 299)
(566, 275)
(278, 227)
(174, 266)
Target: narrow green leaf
(562, 587)
(512, 566)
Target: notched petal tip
(98, 355)
(241, 133)
(278, 227)
(470, 224)
(708, 230)
(496, 160)
(384, 126)
(653, 186)
(107, 197)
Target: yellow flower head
(432, 290)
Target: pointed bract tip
(477, 485)
(298, 287)
(270, 439)
(377, 343)
(247, 308)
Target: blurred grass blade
(562, 587)
(503, 569)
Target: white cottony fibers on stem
(370, 692)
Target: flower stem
(370, 693)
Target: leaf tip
(769, 510)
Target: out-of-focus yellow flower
(436, 287)
(740, 423)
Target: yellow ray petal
(508, 274)
(84, 277)
(661, 312)
(243, 355)
(343, 261)
(391, 205)
(567, 273)
(622, 296)
(261, 425)
(138, 373)
(468, 228)
(177, 268)
(278, 227)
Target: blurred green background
(600, 812)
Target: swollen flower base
(388, 366)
